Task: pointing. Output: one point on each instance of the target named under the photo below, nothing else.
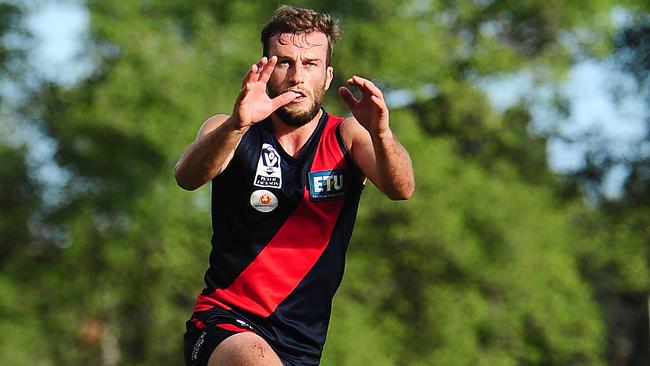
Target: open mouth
(300, 96)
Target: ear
(329, 75)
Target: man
(286, 181)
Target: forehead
(313, 44)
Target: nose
(297, 76)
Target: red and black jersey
(281, 228)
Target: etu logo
(326, 185)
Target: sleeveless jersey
(281, 228)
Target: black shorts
(205, 331)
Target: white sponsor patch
(269, 173)
(264, 201)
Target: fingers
(348, 97)
(366, 86)
(283, 99)
(379, 102)
(243, 92)
(267, 69)
(370, 92)
(249, 75)
(256, 71)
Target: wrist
(383, 135)
(235, 125)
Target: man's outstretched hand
(371, 110)
(253, 104)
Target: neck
(293, 138)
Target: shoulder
(352, 132)
(211, 123)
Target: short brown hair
(290, 19)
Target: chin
(297, 116)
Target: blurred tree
(12, 31)
(617, 257)
(20, 197)
(18, 193)
(632, 52)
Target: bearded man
(286, 181)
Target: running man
(286, 181)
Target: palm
(254, 104)
(365, 111)
(370, 110)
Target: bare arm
(373, 146)
(220, 135)
(210, 153)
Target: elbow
(184, 182)
(401, 196)
(186, 186)
(407, 194)
(403, 193)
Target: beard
(294, 115)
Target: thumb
(283, 99)
(348, 97)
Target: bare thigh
(244, 349)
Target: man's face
(301, 68)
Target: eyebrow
(307, 59)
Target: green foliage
(493, 261)
(477, 268)
(11, 16)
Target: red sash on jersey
(295, 248)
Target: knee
(244, 349)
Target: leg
(244, 349)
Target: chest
(318, 171)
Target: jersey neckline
(308, 145)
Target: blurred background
(527, 241)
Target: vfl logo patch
(326, 185)
(268, 172)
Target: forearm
(394, 167)
(208, 155)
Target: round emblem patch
(264, 201)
